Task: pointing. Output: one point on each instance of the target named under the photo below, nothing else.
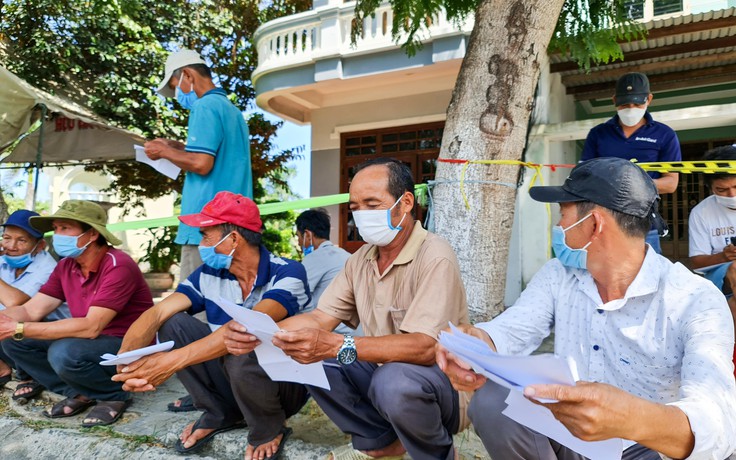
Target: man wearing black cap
(651, 341)
(633, 134)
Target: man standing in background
(216, 156)
(632, 134)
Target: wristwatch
(347, 353)
(18, 336)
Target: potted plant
(161, 253)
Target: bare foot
(188, 439)
(265, 450)
(23, 391)
(4, 369)
(392, 450)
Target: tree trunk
(487, 120)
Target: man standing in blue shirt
(216, 155)
(633, 134)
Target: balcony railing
(325, 33)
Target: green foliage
(161, 251)
(109, 55)
(278, 233)
(589, 30)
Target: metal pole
(39, 150)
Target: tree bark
(487, 120)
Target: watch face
(347, 356)
(17, 336)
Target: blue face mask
(569, 257)
(20, 261)
(213, 259)
(186, 100)
(309, 249)
(66, 246)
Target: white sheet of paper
(540, 419)
(161, 165)
(515, 373)
(108, 359)
(277, 364)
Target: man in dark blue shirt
(633, 134)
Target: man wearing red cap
(240, 269)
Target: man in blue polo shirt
(24, 267)
(633, 134)
(239, 269)
(216, 156)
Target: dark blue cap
(20, 219)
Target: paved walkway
(147, 431)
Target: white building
(371, 99)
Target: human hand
(146, 373)
(237, 339)
(156, 148)
(729, 252)
(7, 326)
(458, 371)
(308, 345)
(591, 411)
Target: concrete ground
(148, 431)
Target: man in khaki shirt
(403, 288)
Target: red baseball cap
(227, 207)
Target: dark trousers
(506, 439)
(70, 366)
(379, 404)
(233, 388)
(19, 373)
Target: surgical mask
(375, 225)
(21, 261)
(569, 257)
(186, 100)
(66, 246)
(727, 201)
(213, 259)
(630, 117)
(308, 249)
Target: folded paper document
(277, 364)
(517, 372)
(108, 359)
(161, 165)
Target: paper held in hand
(515, 373)
(108, 359)
(277, 364)
(161, 165)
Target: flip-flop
(285, 432)
(201, 442)
(185, 405)
(76, 405)
(102, 413)
(36, 390)
(5, 379)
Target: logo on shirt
(646, 139)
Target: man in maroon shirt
(106, 293)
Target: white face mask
(375, 225)
(727, 201)
(630, 117)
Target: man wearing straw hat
(106, 293)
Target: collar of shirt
(645, 282)
(219, 91)
(325, 244)
(410, 249)
(264, 266)
(77, 269)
